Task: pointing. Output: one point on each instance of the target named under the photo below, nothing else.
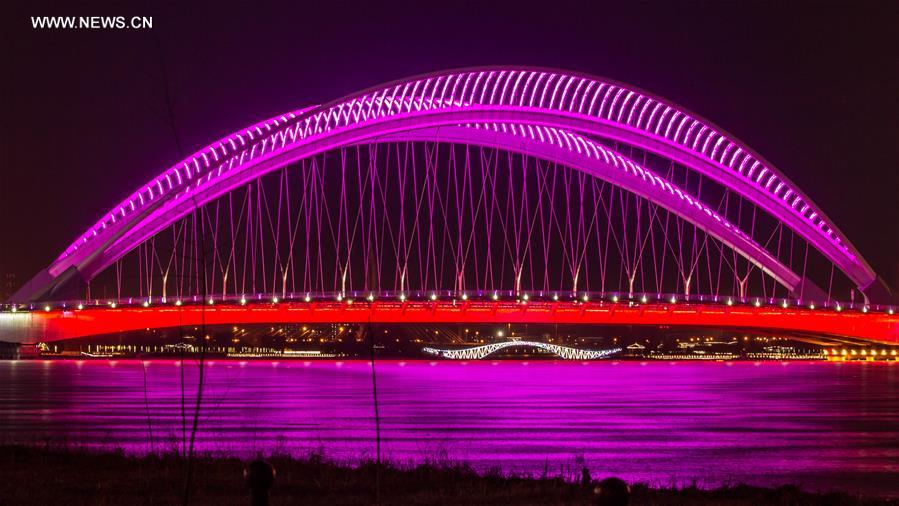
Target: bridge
(479, 352)
(494, 195)
(826, 325)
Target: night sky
(813, 87)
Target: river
(820, 425)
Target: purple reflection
(821, 425)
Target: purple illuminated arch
(528, 110)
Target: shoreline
(61, 474)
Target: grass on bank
(72, 476)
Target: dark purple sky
(812, 86)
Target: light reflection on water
(820, 425)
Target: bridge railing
(524, 297)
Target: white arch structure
(479, 352)
(544, 113)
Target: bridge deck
(61, 324)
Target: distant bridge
(479, 352)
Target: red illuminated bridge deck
(55, 324)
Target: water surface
(817, 424)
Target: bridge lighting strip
(495, 296)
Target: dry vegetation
(59, 475)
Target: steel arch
(562, 102)
(483, 351)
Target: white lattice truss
(479, 352)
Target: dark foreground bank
(36, 475)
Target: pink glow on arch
(483, 89)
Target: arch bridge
(520, 181)
(480, 352)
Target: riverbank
(62, 475)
